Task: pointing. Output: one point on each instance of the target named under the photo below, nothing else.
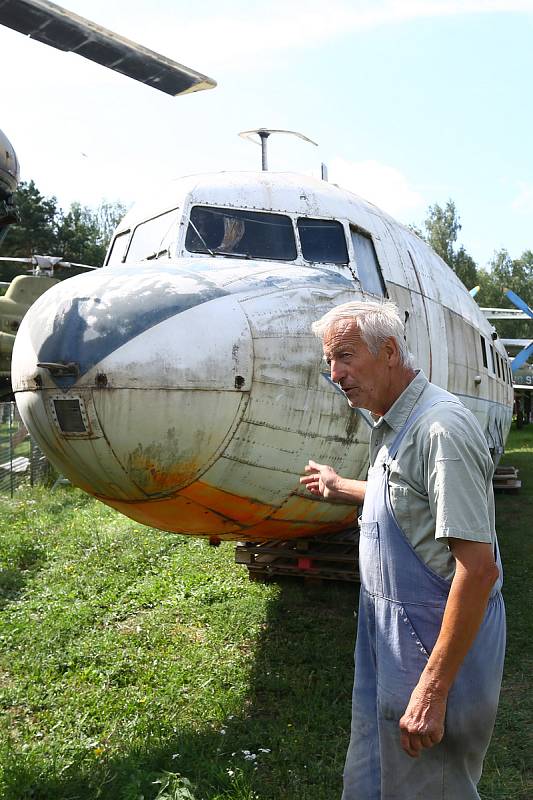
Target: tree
(108, 215)
(36, 231)
(465, 268)
(507, 273)
(81, 234)
(441, 228)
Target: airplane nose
(132, 381)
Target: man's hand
(322, 481)
(422, 725)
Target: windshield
(152, 238)
(244, 234)
(323, 240)
(118, 248)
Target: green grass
(138, 664)
(508, 770)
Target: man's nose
(336, 370)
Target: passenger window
(151, 239)
(492, 359)
(323, 240)
(366, 263)
(118, 248)
(484, 352)
(240, 234)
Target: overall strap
(414, 415)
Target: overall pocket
(401, 658)
(370, 558)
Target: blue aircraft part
(519, 303)
(522, 357)
(527, 351)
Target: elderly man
(431, 625)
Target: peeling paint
(213, 398)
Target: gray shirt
(441, 481)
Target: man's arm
(422, 725)
(322, 481)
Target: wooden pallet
(332, 557)
(506, 479)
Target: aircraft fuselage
(181, 383)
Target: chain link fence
(21, 460)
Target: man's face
(363, 377)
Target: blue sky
(411, 102)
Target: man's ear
(391, 351)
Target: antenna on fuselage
(263, 134)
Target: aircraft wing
(504, 313)
(59, 28)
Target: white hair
(376, 322)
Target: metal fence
(21, 460)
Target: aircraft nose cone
(156, 367)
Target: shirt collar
(399, 412)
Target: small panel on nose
(70, 416)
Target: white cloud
(523, 202)
(243, 36)
(381, 184)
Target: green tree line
(80, 234)
(441, 229)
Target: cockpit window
(152, 239)
(240, 234)
(118, 248)
(367, 264)
(323, 240)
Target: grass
(508, 770)
(140, 665)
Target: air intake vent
(69, 416)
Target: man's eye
(327, 361)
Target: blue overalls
(401, 607)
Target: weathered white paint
(208, 415)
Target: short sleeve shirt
(440, 482)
